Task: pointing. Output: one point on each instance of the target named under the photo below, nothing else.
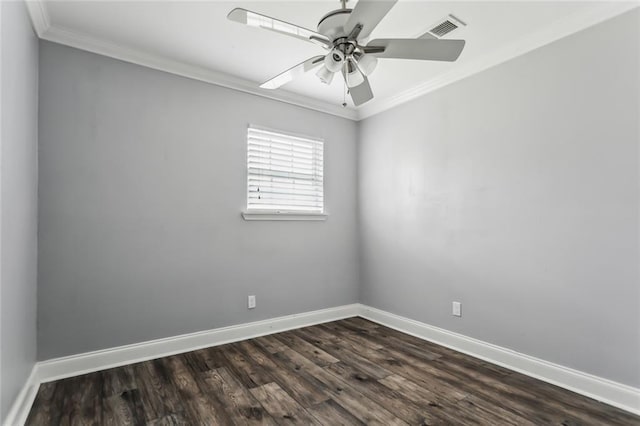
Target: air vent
(445, 26)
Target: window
(284, 173)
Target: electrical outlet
(457, 309)
(251, 302)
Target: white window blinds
(284, 172)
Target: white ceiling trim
(39, 16)
(562, 28)
(91, 44)
(556, 31)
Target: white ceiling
(198, 36)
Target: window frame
(273, 214)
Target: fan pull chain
(344, 96)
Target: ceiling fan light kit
(333, 61)
(366, 63)
(342, 33)
(354, 77)
(325, 75)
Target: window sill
(283, 216)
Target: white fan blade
(368, 13)
(293, 72)
(423, 49)
(361, 93)
(254, 19)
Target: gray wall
(515, 192)
(18, 198)
(142, 181)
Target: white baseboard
(607, 391)
(88, 362)
(19, 411)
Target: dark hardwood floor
(346, 372)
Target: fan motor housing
(332, 24)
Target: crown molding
(39, 16)
(518, 47)
(106, 48)
(555, 31)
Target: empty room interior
(319, 212)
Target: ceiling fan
(343, 32)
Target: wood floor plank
(332, 413)
(345, 338)
(364, 342)
(197, 361)
(490, 413)
(443, 405)
(344, 352)
(270, 343)
(493, 387)
(366, 410)
(315, 354)
(78, 407)
(125, 408)
(393, 401)
(306, 392)
(348, 372)
(340, 391)
(213, 357)
(438, 375)
(199, 407)
(360, 323)
(426, 396)
(522, 401)
(281, 406)
(46, 407)
(581, 407)
(118, 380)
(396, 338)
(159, 397)
(362, 337)
(242, 405)
(170, 420)
(404, 365)
(248, 372)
